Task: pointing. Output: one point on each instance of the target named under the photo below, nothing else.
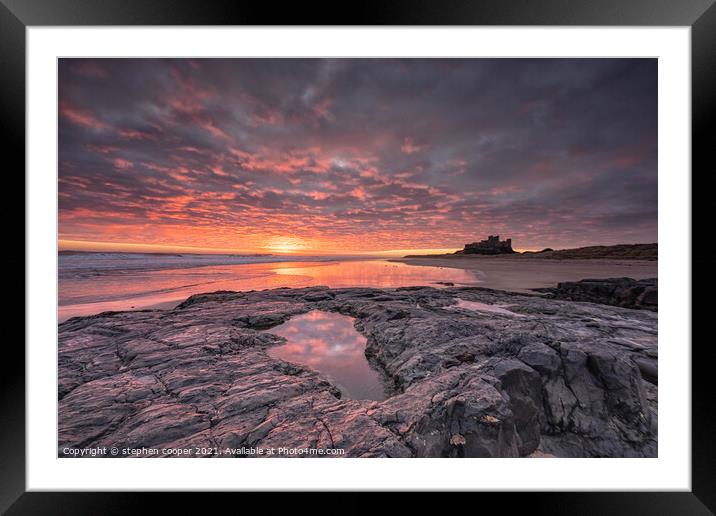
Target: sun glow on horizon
(129, 247)
(150, 160)
(278, 245)
(287, 244)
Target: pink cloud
(122, 164)
(322, 109)
(307, 160)
(409, 146)
(359, 193)
(318, 195)
(81, 117)
(101, 149)
(267, 117)
(219, 171)
(188, 148)
(131, 134)
(215, 131)
(185, 105)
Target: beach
(519, 273)
(91, 283)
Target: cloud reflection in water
(328, 343)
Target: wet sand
(90, 294)
(520, 274)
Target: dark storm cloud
(364, 153)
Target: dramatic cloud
(357, 154)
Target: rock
(540, 455)
(625, 292)
(648, 367)
(322, 294)
(457, 440)
(564, 379)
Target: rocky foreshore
(624, 292)
(542, 377)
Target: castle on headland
(492, 245)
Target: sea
(90, 283)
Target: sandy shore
(520, 274)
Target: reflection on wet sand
(328, 343)
(377, 274)
(138, 289)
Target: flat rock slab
(562, 379)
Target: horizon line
(126, 247)
(68, 245)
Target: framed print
(421, 246)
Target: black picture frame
(700, 15)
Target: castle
(492, 245)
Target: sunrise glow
(354, 156)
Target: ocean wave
(87, 265)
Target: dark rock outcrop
(550, 378)
(625, 292)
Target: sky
(352, 156)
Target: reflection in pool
(328, 343)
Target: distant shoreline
(644, 252)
